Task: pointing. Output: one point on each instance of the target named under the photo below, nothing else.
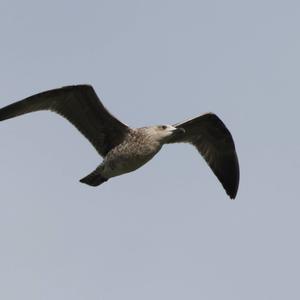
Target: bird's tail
(94, 179)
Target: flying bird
(126, 149)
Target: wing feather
(215, 143)
(81, 106)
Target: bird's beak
(179, 131)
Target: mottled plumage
(125, 149)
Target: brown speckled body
(137, 149)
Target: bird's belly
(124, 164)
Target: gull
(126, 149)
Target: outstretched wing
(80, 105)
(214, 141)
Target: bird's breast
(127, 158)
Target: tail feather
(93, 179)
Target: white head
(163, 133)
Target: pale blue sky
(168, 230)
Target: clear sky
(168, 230)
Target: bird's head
(163, 133)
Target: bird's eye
(163, 127)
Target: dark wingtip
(231, 181)
(232, 195)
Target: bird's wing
(214, 141)
(80, 105)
